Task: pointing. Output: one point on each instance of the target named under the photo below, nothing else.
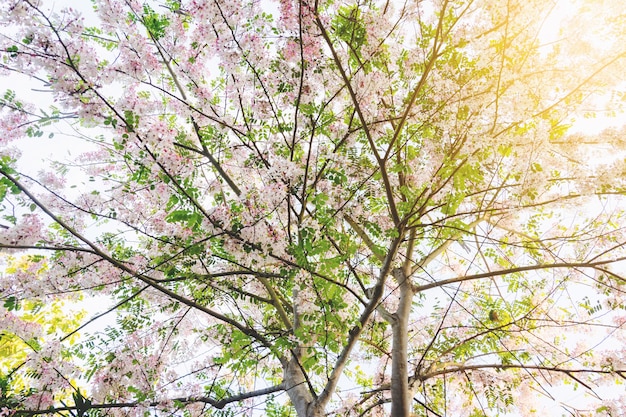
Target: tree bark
(400, 395)
(298, 389)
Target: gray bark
(400, 393)
(298, 389)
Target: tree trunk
(400, 395)
(298, 390)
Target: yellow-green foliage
(51, 315)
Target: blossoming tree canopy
(314, 207)
(27, 326)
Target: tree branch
(593, 265)
(219, 404)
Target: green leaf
(155, 24)
(11, 303)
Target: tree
(312, 207)
(31, 328)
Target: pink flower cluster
(28, 231)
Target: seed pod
(493, 315)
